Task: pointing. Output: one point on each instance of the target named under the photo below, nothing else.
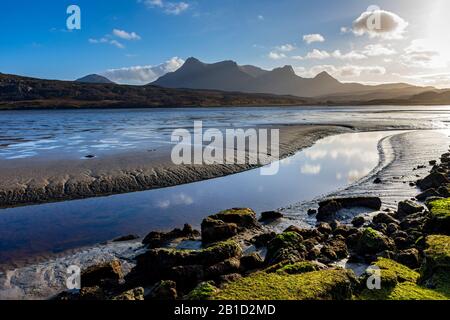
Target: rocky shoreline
(240, 258)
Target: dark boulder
(372, 242)
(94, 275)
(358, 221)
(434, 180)
(427, 194)
(217, 230)
(328, 208)
(164, 290)
(159, 239)
(408, 207)
(286, 246)
(270, 216)
(251, 262)
(384, 218)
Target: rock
(382, 227)
(316, 285)
(353, 239)
(204, 291)
(440, 216)
(306, 233)
(443, 192)
(433, 162)
(324, 228)
(301, 267)
(328, 208)
(344, 231)
(285, 246)
(94, 293)
(130, 237)
(263, 239)
(270, 215)
(437, 258)
(377, 181)
(187, 276)
(392, 228)
(228, 266)
(131, 295)
(373, 242)
(358, 221)
(335, 249)
(427, 194)
(312, 212)
(227, 224)
(158, 239)
(434, 180)
(409, 258)
(408, 207)
(251, 262)
(384, 218)
(94, 275)
(161, 264)
(164, 290)
(228, 278)
(217, 230)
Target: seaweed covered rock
(398, 282)
(316, 285)
(164, 290)
(251, 262)
(171, 264)
(204, 291)
(131, 295)
(373, 242)
(301, 267)
(228, 223)
(95, 275)
(285, 246)
(440, 216)
(158, 239)
(409, 258)
(437, 256)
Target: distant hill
(94, 78)
(18, 92)
(229, 76)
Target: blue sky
(36, 42)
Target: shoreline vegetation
(26, 182)
(410, 248)
(25, 93)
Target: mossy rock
(244, 218)
(317, 285)
(373, 241)
(299, 268)
(204, 291)
(285, 246)
(440, 213)
(437, 256)
(399, 282)
(136, 294)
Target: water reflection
(327, 166)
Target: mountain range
(94, 78)
(229, 76)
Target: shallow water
(333, 163)
(77, 133)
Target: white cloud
(422, 54)
(174, 8)
(126, 35)
(380, 23)
(311, 38)
(310, 169)
(276, 55)
(286, 47)
(140, 75)
(317, 54)
(105, 40)
(376, 50)
(345, 71)
(352, 55)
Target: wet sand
(33, 181)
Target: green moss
(240, 212)
(398, 282)
(440, 208)
(438, 250)
(317, 285)
(402, 272)
(203, 291)
(372, 241)
(299, 267)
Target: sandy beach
(35, 181)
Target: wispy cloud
(107, 40)
(173, 8)
(276, 55)
(126, 35)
